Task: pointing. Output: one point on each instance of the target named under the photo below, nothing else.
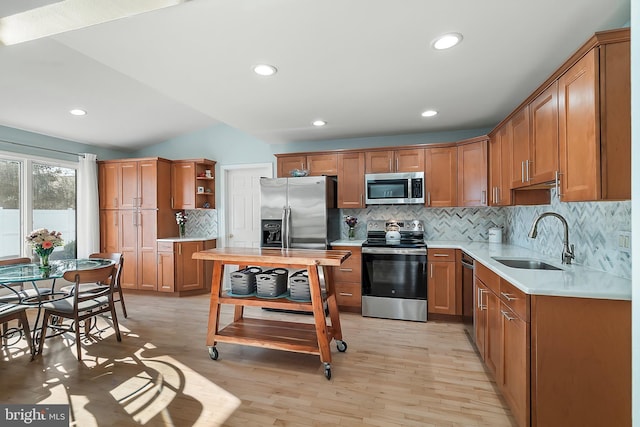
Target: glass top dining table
(16, 273)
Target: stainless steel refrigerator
(299, 212)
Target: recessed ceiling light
(319, 123)
(78, 112)
(265, 69)
(447, 41)
(429, 113)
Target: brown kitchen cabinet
(472, 173)
(520, 136)
(441, 283)
(406, 160)
(500, 166)
(348, 281)
(317, 164)
(135, 214)
(351, 180)
(441, 176)
(543, 151)
(502, 337)
(178, 272)
(595, 128)
(191, 188)
(580, 362)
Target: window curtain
(88, 216)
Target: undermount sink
(528, 264)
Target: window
(36, 193)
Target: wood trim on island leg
(214, 306)
(332, 304)
(318, 314)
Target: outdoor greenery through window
(36, 194)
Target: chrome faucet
(567, 250)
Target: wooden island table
(291, 336)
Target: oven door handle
(394, 251)
(466, 264)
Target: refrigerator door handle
(283, 231)
(288, 227)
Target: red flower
(47, 244)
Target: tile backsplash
(201, 223)
(593, 228)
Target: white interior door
(241, 223)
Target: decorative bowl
(299, 172)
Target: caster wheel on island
(342, 346)
(213, 353)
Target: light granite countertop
(347, 242)
(571, 281)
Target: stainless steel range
(394, 270)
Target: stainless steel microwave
(394, 188)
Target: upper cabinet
(543, 150)
(193, 184)
(406, 160)
(500, 166)
(441, 176)
(472, 173)
(519, 153)
(595, 126)
(316, 164)
(133, 184)
(351, 180)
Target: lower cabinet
(441, 282)
(178, 271)
(347, 280)
(502, 337)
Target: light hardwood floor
(394, 373)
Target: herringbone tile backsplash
(593, 228)
(201, 223)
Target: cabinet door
(128, 238)
(441, 176)
(189, 272)
(148, 184)
(109, 241)
(351, 180)
(183, 185)
(500, 167)
(409, 160)
(441, 287)
(472, 174)
(514, 381)
(128, 185)
(493, 349)
(166, 272)
(519, 124)
(322, 164)
(543, 162)
(108, 179)
(480, 315)
(379, 162)
(289, 163)
(579, 142)
(146, 223)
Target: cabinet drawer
(349, 270)
(488, 277)
(165, 246)
(349, 294)
(517, 300)
(441, 254)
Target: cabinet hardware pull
(172, 202)
(429, 198)
(483, 197)
(481, 306)
(115, 202)
(507, 296)
(390, 167)
(432, 271)
(179, 248)
(522, 169)
(361, 199)
(528, 167)
(115, 219)
(506, 315)
(441, 255)
(498, 195)
(397, 165)
(558, 184)
(346, 294)
(346, 269)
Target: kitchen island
(290, 336)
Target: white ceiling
(364, 66)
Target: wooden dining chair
(9, 312)
(117, 290)
(82, 306)
(16, 292)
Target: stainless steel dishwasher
(467, 293)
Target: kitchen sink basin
(528, 264)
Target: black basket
(299, 286)
(271, 283)
(243, 282)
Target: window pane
(54, 205)
(10, 232)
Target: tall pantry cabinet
(135, 210)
